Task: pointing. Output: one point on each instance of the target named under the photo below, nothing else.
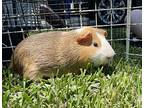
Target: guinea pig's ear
(105, 33)
(85, 39)
(102, 32)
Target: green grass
(118, 86)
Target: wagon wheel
(117, 14)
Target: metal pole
(111, 21)
(80, 9)
(128, 28)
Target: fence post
(128, 28)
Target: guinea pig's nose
(110, 57)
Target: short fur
(42, 54)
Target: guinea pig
(40, 54)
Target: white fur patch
(101, 56)
(106, 48)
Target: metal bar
(6, 60)
(4, 45)
(124, 24)
(111, 22)
(10, 47)
(80, 9)
(10, 40)
(128, 28)
(96, 18)
(134, 54)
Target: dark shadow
(108, 70)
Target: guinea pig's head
(94, 46)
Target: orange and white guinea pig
(41, 54)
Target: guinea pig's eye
(95, 44)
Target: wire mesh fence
(22, 18)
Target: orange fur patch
(87, 51)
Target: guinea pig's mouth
(102, 62)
